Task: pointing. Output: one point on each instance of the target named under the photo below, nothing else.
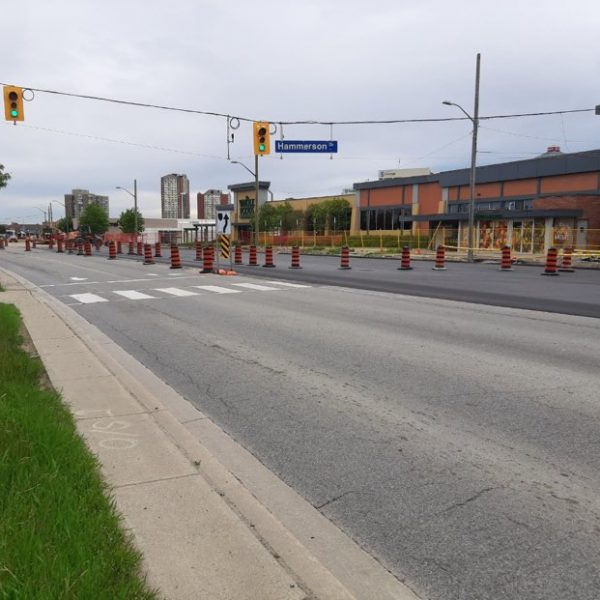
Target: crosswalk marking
(183, 293)
(133, 295)
(88, 298)
(176, 292)
(255, 286)
(294, 285)
(217, 289)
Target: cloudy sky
(325, 60)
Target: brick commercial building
(550, 200)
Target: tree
(94, 217)
(4, 177)
(65, 224)
(127, 221)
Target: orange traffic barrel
(175, 257)
(112, 250)
(269, 257)
(295, 258)
(345, 258)
(566, 265)
(551, 260)
(440, 259)
(405, 260)
(148, 260)
(208, 260)
(252, 260)
(506, 263)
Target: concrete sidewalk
(202, 532)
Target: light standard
(475, 120)
(255, 175)
(135, 210)
(66, 217)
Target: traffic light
(13, 103)
(262, 139)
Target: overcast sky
(326, 60)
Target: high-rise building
(78, 200)
(175, 196)
(208, 202)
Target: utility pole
(256, 200)
(473, 161)
(135, 213)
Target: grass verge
(60, 535)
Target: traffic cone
(198, 250)
(405, 260)
(440, 259)
(119, 247)
(238, 255)
(345, 259)
(27, 245)
(157, 250)
(112, 250)
(295, 258)
(551, 259)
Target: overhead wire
(301, 122)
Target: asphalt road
(482, 283)
(458, 443)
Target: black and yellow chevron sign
(225, 246)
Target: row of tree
(95, 218)
(331, 215)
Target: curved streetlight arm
(237, 162)
(448, 103)
(125, 190)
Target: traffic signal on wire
(262, 139)
(13, 103)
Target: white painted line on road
(88, 298)
(294, 285)
(133, 295)
(217, 289)
(255, 286)
(176, 292)
(79, 278)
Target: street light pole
(475, 120)
(135, 210)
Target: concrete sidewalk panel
(132, 449)
(216, 556)
(98, 397)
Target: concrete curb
(177, 479)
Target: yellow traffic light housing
(262, 138)
(13, 103)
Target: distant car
(11, 235)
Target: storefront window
(562, 235)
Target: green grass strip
(60, 535)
